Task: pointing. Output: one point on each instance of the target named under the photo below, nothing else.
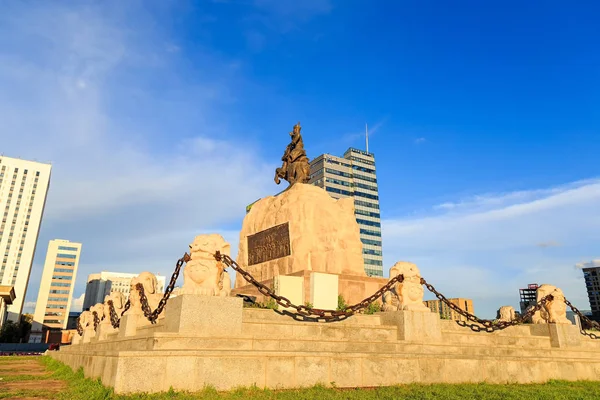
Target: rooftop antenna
(367, 136)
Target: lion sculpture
(149, 283)
(555, 310)
(99, 309)
(506, 314)
(86, 320)
(118, 300)
(203, 274)
(408, 294)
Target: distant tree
(10, 332)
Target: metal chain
(79, 327)
(585, 319)
(114, 318)
(321, 315)
(126, 307)
(169, 288)
(96, 319)
(486, 325)
(144, 302)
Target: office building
(354, 176)
(591, 275)
(445, 312)
(23, 188)
(56, 288)
(528, 296)
(102, 284)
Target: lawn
(42, 377)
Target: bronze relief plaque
(269, 244)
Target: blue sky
(164, 119)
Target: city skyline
(484, 128)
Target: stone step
(276, 316)
(493, 339)
(324, 331)
(312, 345)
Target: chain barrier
(302, 310)
(79, 327)
(125, 308)
(153, 315)
(96, 319)
(585, 319)
(114, 318)
(486, 325)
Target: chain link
(486, 325)
(302, 310)
(96, 319)
(585, 319)
(125, 307)
(114, 318)
(79, 327)
(144, 302)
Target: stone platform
(214, 341)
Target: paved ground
(25, 378)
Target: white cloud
(29, 307)
(420, 140)
(488, 247)
(139, 168)
(77, 303)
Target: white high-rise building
(102, 284)
(56, 288)
(23, 188)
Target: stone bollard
(201, 315)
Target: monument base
(352, 287)
(264, 348)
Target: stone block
(414, 326)
(564, 335)
(323, 291)
(88, 335)
(103, 331)
(129, 324)
(291, 287)
(200, 315)
(280, 372)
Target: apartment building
(102, 284)
(445, 312)
(56, 288)
(354, 175)
(23, 188)
(591, 275)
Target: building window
(67, 248)
(63, 255)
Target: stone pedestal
(324, 291)
(103, 331)
(291, 287)
(323, 234)
(204, 315)
(352, 287)
(129, 324)
(414, 326)
(561, 335)
(88, 334)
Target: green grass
(88, 389)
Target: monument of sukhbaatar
(301, 247)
